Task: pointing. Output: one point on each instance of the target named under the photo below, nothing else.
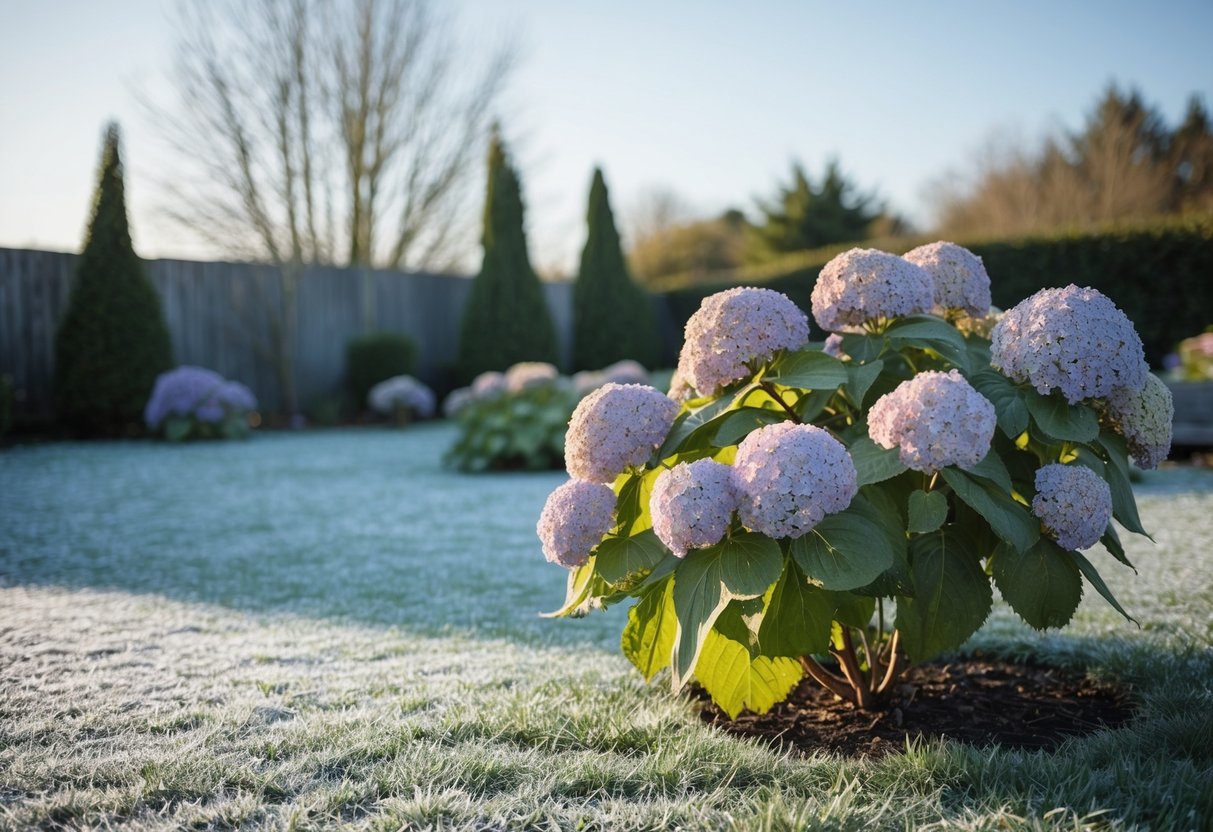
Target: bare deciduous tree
(341, 133)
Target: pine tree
(613, 318)
(506, 319)
(112, 341)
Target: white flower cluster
(734, 328)
(1144, 419)
(616, 427)
(693, 504)
(960, 278)
(864, 284)
(621, 372)
(935, 420)
(833, 345)
(791, 476)
(527, 374)
(402, 392)
(1074, 504)
(574, 520)
(1073, 340)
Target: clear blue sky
(710, 99)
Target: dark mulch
(971, 701)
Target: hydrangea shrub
(518, 419)
(196, 403)
(843, 510)
(402, 398)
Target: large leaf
(623, 561)
(952, 596)
(738, 424)
(853, 610)
(1124, 505)
(1092, 574)
(1060, 419)
(797, 618)
(1111, 542)
(928, 510)
(929, 332)
(735, 681)
(648, 637)
(860, 378)
(1042, 585)
(874, 463)
(1010, 520)
(577, 592)
(846, 550)
(742, 566)
(808, 370)
(1009, 406)
(691, 425)
(863, 348)
(993, 469)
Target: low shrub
(517, 419)
(197, 403)
(376, 357)
(766, 512)
(402, 398)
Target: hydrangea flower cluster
(790, 477)
(621, 372)
(402, 393)
(456, 401)
(1073, 340)
(196, 393)
(692, 505)
(864, 284)
(1144, 418)
(527, 374)
(488, 384)
(833, 345)
(934, 420)
(574, 520)
(735, 328)
(614, 428)
(1074, 504)
(960, 278)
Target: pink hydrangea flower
(527, 374)
(1073, 340)
(614, 428)
(790, 477)
(960, 278)
(692, 505)
(833, 345)
(864, 284)
(735, 328)
(1144, 418)
(574, 520)
(934, 420)
(1073, 503)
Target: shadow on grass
(362, 525)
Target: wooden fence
(220, 315)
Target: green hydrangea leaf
(952, 596)
(1010, 520)
(1060, 419)
(1043, 584)
(797, 619)
(874, 463)
(1008, 401)
(808, 370)
(648, 637)
(842, 552)
(627, 560)
(1092, 575)
(736, 681)
(928, 511)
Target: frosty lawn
(328, 628)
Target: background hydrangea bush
(403, 399)
(518, 419)
(196, 403)
(790, 510)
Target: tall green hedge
(613, 317)
(1161, 275)
(506, 319)
(112, 342)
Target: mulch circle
(971, 701)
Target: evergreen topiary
(506, 319)
(376, 357)
(112, 342)
(613, 318)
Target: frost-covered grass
(308, 631)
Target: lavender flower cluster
(196, 393)
(960, 278)
(735, 328)
(791, 476)
(574, 520)
(1073, 503)
(692, 505)
(402, 393)
(864, 284)
(1073, 340)
(614, 428)
(934, 420)
(1144, 418)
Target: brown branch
(827, 679)
(896, 664)
(774, 394)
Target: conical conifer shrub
(112, 342)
